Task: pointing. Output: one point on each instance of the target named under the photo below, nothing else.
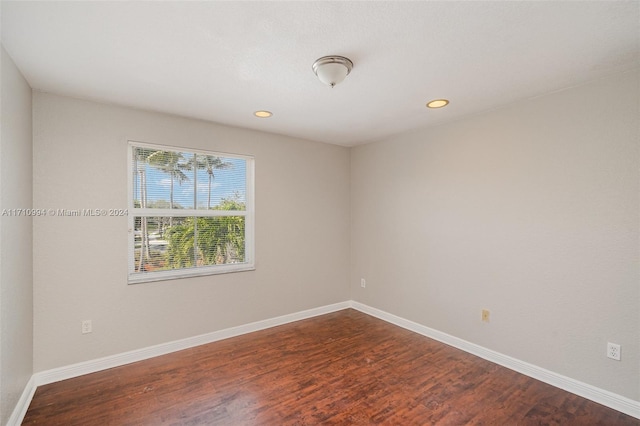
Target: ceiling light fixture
(263, 114)
(332, 70)
(437, 103)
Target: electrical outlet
(363, 283)
(613, 351)
(485, 315)
(86, 326)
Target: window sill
(138, 278)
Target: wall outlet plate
(613, 351)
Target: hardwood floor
(341, 368)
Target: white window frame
(249, 214)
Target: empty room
(319, 212)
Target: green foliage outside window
(220, 240)
(172, 232)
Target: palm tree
(141, 157)
(211, 163)
(172, 163)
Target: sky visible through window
(228, 182)
(190, 213)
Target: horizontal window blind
(191, 212)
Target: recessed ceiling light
(263, 114)
(437, 103)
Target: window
(190, 212)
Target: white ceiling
(221, 61)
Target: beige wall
(16, 295)
(80, 263)
(531, 211)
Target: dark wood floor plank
(337, 369)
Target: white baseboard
(23, 403)
(79, 369)
(92, 366)
(601, 396)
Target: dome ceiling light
(332, 70)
